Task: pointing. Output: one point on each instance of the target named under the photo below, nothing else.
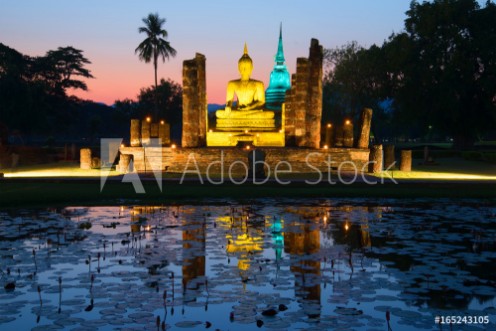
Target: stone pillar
(124, 161)
(145, 133)
(338, 136)
(85, 158)
(328, 137)
(289, 124)
(135, 133)
(300, 100)
(389, 156)
(364, 129)
(154, 130)
(375, 165)
(406, 160)
(194, 102)
(348, 134)
(164, 133)
(314, 104)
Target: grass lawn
(447, 169)
(63, 184)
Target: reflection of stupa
(280, 80)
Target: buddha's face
(245, 68)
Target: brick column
(194, 102)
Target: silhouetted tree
(155, 45)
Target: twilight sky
(107, 32)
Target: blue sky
(107, 33)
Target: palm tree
(155, 44)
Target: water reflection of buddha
(250, 94)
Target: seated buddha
(250, 94)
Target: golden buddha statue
(250, 94)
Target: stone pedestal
(348, 135)
(85, 158)
(364, 128)
(375, 165)
(406, 160)
(124, 161)
(135, 133)
(389, 158)
(96, 163)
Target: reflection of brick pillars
(85, 158)
(375, 165)
(406, 160)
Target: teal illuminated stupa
(280, 80)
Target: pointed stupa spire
(280, 52)
(280, 80)
(245, 51)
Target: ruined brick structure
(304, 100)
(194, 102)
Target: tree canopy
(155, 44)
(33, 90)
(440, 72)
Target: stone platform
(302, 160)
(257, 138)
(241, 123)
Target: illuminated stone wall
(194, 102)
(175, 159)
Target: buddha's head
(245, 64)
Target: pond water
(330, 264)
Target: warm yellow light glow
(162, 122)
(210, 130)
(122, 145)
(246, 131)
(148, 119)
(346, 226)
(325, 218)
(348, 122)
(248, 147)
(173, 146)
(329, 125)
(326, 147)
(280, 131)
